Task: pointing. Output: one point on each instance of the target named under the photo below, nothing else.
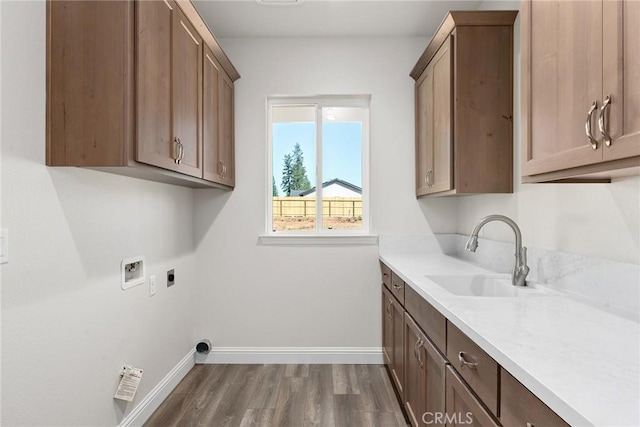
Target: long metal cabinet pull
(180, 150)
(420, 343)
(587, 126)
(601, 124)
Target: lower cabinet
(463, 407)
(442, 376)
(393, 338)
(424, 373)
(519, 407)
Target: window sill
(318, 240)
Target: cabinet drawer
(463, 408)
(397, 287)
(386, 275)
(427, 317)
(518, 406)
(477, 368)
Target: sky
(341, 147)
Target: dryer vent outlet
(203, 347)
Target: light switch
(152, 285)
(4, 245)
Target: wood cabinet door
(414, 372)
(433, 384)
(621, 78)
(210, 116)
(397, 359)
(424, 130)
(463, 408)
(518, 406)
(442, 167)
(434, 120)
(154, 145)
(186, 69)
(88, 65)
(387, 327)
(561, 79)
(424, 377)
(226, 152)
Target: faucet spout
(520, 268)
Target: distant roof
(345, 184)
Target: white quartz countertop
(582, 361)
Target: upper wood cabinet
(227, 131)
(580, 89)
(218, 119)
(464, 106)
(125, 90)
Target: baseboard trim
(293, 355)
(147, 406)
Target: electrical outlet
(171, 277)
(152, 286)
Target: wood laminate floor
(282, 395)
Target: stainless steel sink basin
(483, 286)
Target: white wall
(599, 220)
(67, 327)
(265, 296)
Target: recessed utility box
(132, 270)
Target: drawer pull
(389, 307)
(530, 425)
(397, 286)
(464, 362)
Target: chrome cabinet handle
(179, 151)
(601, 124)
(429, 178)
(530, 425)
(389, 307)
(397, 286)
(587, 126)
(464, 362)
(180, 148)
(420, 344)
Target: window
(318, 165)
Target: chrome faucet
(520, 269)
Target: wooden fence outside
(348, 207)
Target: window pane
(294, 165)
(342, 168)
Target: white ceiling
(328, 18)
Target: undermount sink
(483, 286)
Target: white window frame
(320, 235)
